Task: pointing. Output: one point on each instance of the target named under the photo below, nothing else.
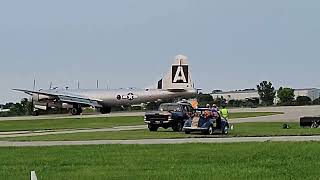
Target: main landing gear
(105, 110)
(76, 111)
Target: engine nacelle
(66, 106)
(39, 97)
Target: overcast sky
(231, 44)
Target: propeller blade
(34, 84)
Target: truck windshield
(168, 107)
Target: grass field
(55, 124)
(299, 160)
(104, 122)
(240, 130)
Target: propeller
(34, 84)
(32, 100)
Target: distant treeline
(268, 97)
(18, 109)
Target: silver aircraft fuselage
(120, 97)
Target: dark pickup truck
(169, 115)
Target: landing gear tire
(105, 110)
(152, 128)
(76, 111)
(35, 113)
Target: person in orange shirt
(208, 112)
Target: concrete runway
(291, 113)
(164, 141)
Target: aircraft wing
(79, 100)
(65, 97)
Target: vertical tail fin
(179, 76)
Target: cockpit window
(168, 107)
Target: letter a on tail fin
(180, 74)
(33, 175)
(179, 77)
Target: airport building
(2, 109)
(313, 93)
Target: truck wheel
(177, 127)
(153, 128)
(35, 113)
(105, 110)
(180, 126)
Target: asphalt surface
(291, 113)
(163, 141)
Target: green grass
(286, 160)
(240, 130)
(120, 135)
(71, 123)
(271, 129)
(104, 122)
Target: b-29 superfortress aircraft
(175, 84)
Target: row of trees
(208, 99)
(205, 99)
(268, 96)
(285, 96)
(18, 109)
